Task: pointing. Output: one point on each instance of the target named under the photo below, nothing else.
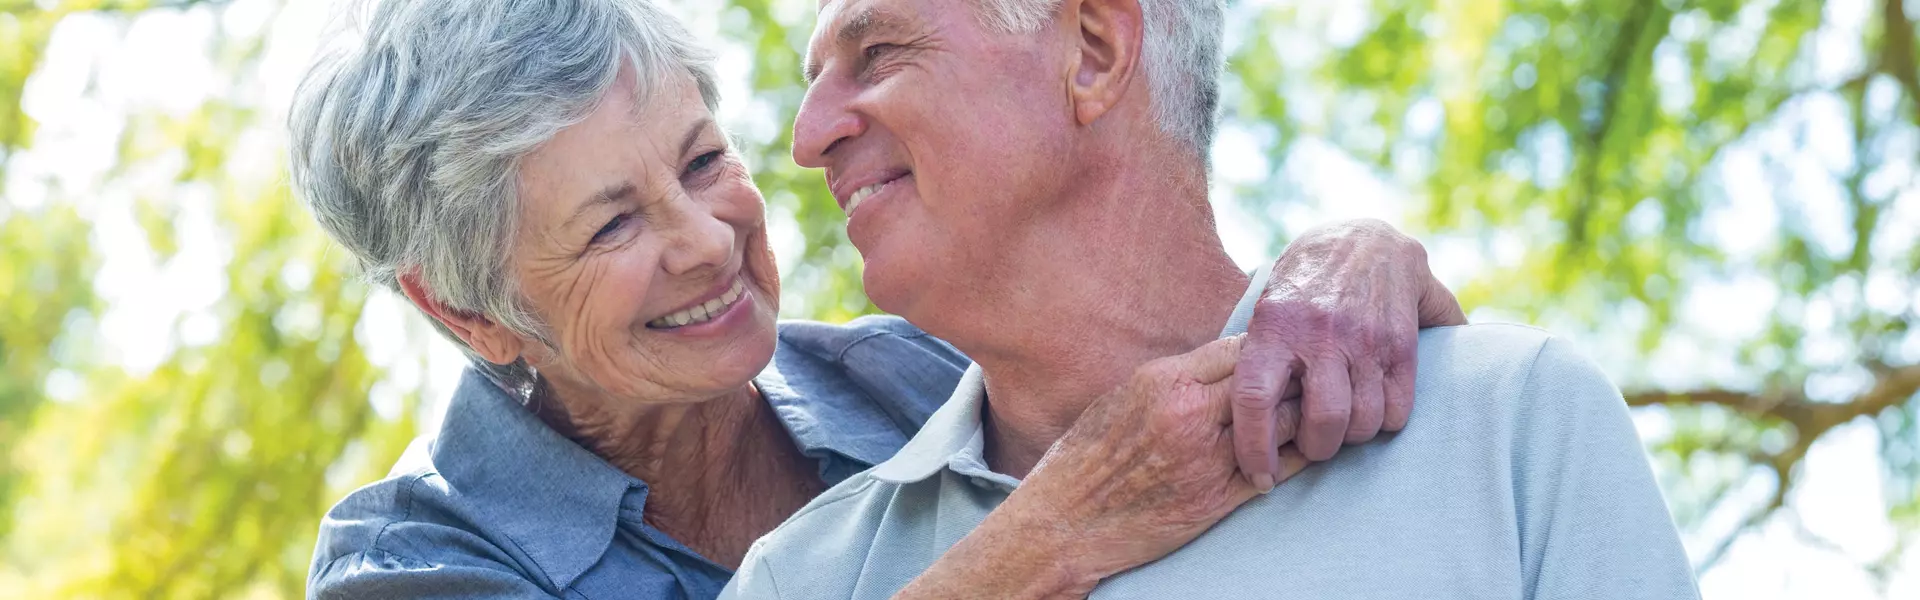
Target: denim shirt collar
(954, 438)
(553, 498)
(561, 503)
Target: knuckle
(1363, 427)
(1265, 329)
(1397, 346)
(1414, 249)
(1325, 418)
(1254, 398)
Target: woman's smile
(717, 313)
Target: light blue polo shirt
(1519, 476)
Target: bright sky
(98, 70)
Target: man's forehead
(845, 20)
(842, 22)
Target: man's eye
(874, 51)
(701, 162)
(612, 227)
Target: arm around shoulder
(1592, 521)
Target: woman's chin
(722, 359)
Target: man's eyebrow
(869, 21)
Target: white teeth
(861, 195)
(703, 312)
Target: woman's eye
(612, 226)
(701, 162)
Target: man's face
(940, 137)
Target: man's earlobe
(1109, 36)
(492, 341)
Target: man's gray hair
(408, 131)
(1182, 53)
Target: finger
(1286, 421)
(1438, 306)
(1219, 399)
(1399, 390)
(1264, 371)
(1326, 410)
(1292, 462)
(1369, 401)
(1212, 362)
(1255, 426)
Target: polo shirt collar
(954, 437)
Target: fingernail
(1263, 482)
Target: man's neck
(1129, 270)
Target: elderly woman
(545, 180)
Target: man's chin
(890, 287)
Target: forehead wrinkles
(832, 30)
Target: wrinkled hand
(1342, 309)
(1150, 466)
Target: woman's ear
(1109, 35)
(492, 341)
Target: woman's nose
(702, 239)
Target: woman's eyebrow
(619, 192)
(693, 133)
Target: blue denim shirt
(499, 505)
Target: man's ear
(1108, 36)
(492, 341)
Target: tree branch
(1892, 386)
(1896, 53)
(1811, 420)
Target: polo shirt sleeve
(753, 581)
(1592, 520)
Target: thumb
(1211, 363)
(1218, 397)
(1438, 307)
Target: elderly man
(1027, 179)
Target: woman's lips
(712, 309)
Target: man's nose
(824, 121)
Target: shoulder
(1523, 373)
(865, 336)
(1482, 346)
(1495, 353)
(1525, 385)
(878, 361)
(847, 518)
(403, 531)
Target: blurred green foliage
(1599, 137)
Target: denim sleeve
(1592, 521)
(379, 574)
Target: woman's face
(642, 245)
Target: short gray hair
(1182, 53)
(407, 132)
